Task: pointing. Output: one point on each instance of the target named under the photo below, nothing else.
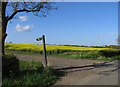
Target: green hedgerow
(10, 65)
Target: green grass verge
(31, 73)
(91, 55)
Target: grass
(32, 73)
(91, 55)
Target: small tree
(118, 40)
(37, 8)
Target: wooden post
(44, 50)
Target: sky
(74, 23)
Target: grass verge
(106, 55)
(32, 73)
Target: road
(97, 76)
(108, 76)
(81, 71)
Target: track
(81, 71)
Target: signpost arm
(44, 50)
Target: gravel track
(75, 69)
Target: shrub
(49, 75)
(10, 65)
(109, 53)
(32, 77)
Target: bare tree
(37, 8)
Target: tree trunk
(0, 43)
(4, 24)
(0, 29)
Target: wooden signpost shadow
(44, 49)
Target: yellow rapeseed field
(17, 46)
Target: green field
(65, 51)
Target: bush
(32, 73)
(49, 75)
(10, 65)
(109, 53)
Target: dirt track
(76, 69)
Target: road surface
(81, 71)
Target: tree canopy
(40, 9)
(37, 8)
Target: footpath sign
(44, 49)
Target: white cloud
(23, 18)
(20, 28)
(113, 34)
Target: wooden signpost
(44, 49)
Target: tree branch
(24, 10)
(30, 7)
(15, 12)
